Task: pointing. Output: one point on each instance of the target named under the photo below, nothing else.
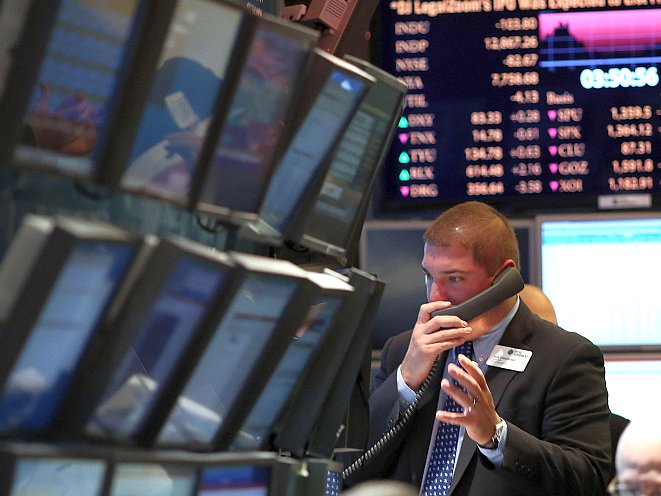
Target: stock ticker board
(527, 104)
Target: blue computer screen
(228, 360)
(352, 168)
(70, 104)
(184, 300)
(182, 99)
(287, 374)
(230, 480)
(306, 152)
(256, 119)
(61, 476)
(67, 320)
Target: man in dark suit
(533, 407)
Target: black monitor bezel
(58, 237)
(334, 335)
(29, 54)
(132, 110)
(323, 398)
(225, 215)
(322, 66)
(592, 217)
(334, 429)
(275, 346)
(125, 325)
(347, 252)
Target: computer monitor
(44, 469)
(178, 91)
(393, 251)
(628, 376)
(600, 273)
(318, 335)
(344, 421)
(181, 284)
(334, 89)
(295, 427)
(66, 80)
(334, 224)
(250, 138)
(257, 473)
(152, 472)
(57, 281)
(151, 478)
(245, 344)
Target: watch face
(495, 440)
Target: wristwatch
(495, 439)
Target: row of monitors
(600, 272)
(28, 468)
(134, 340)
(202, 104)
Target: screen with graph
(530, 105)
(600, 272)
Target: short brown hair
(478, 227)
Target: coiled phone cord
(403, 419)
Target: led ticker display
(525, 104)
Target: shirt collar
(483, 345)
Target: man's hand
(479, 417)
(431, 337)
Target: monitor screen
(393, 251)
(260, 421)
(190, 77)
(627, 378)
(75, 305)
(254, 124)
(58, 477)
(168, 327)
(308, 150)
(532, 106)
(587, 260)
(231, 480)
(151, 479)
(344, 406)
(220, 374)
(88, 53)
(356, 160)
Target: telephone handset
(505, 285)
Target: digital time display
(525, 104)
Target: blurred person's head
(381, 488)
(638, 461)
(538, 302)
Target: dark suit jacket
(558, 440)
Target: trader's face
(451, 274)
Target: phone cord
(403, 419)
